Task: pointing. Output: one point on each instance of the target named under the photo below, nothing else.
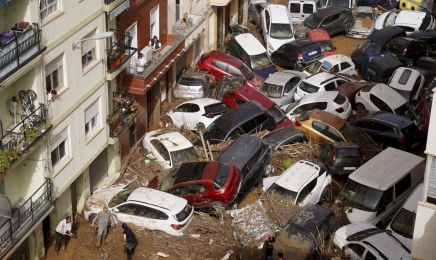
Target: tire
(250, 16)
(360, 108)
(325, 195)
(409, 62)
(200, 127)
(166, 121)
(348, 26)
(217, 205)
(31, 94)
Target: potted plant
(134, 107)
(110, 119)
(44, 127)
(31, 135)
(13, 153)
(4, 161)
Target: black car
(254, 10)
(246, 118)
(390, 129)
(235, 29)
(388, 4)
(427, 66)
(375, 43)
(252, 157)
(429, 36)
(341, 157)
(226, 83)
(334, 19)
(409, 50)
(300, 51)
(310, 223)
(284, 136)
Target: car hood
(379, 22)
(341, 234)
(300, 30)
(363, 26)
(277, 43)
(265, 72)
(99, 199)
(357, 215)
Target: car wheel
(217, 205)
(200, 127)
(250, 16)
(165, 121)
(409, 62)
(326, 195)
(360, 108)
(348, 26)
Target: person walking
(130, 241)
(140, 63)
(103, 218)
(63, 230)
(269, 248)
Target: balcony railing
(125, 110)
(20, 48)
(24, 217)
(120, 51)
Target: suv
(334, 19)
(192, 85)
(219, 64)
(322, 37)
(227, 83)
(322, 81)
(244, 94)
(336, 64)
(341, 157)
(429, 36)
(409, 50)
(244, 119)
(410, 21)
(409, 83)
(297, 54)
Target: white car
(410, 21)
(381, 97)
(337, 63)
(408, 82)
(280, 86)
(276, 27)
(364, 25)
(331, 101)
(170, 149)
(322, 81)
(144, 207)
(305, 182)
(362, 240)
(197, 114)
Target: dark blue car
(299, 52)
(388, 4)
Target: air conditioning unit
(148, 53)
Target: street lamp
(98, 36)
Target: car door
(296, 14)
(376, 130)
(152, 218)
(191, 117)
(219, 69)
(308, 9)
(252, 171)
(196, 192)
(290, 88)
(346, 68)
(386, 207)
(355, 251)
(179, 113)
(125, 212)
(326, 24)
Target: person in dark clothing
(280, 254)
(130, 241)
(269, 248)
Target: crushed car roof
(240, 150)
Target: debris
(195, 235)
(227, 255)
(162, 254)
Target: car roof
(351, 88)
(381, 172)
(310, 217)
(239, 114)
(203, 101)
(196, 75)
(364, 9)
(394, 82)
(173, 141)
(406, 17)
(250, 93)
(337, 58)
(330, 119)
(276, 137)
(386, 34)
(298, 43)
(217, 55)
(390, 118)
(342, 144)
(330, 11)
(319, 97)
(423, 34)
(155, 197)
(281, 77)
(388, 246)
(240, 150)
(297, 175)
(388, 95)
(250, 44)
(278, 13)
(319, 35)
(189, 171)
(316, 79)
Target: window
(146, 212)
(160, 148)
(250, 164)
(238, 101)
(330, 86)
(88, 49)
(234, 71)
(340, 82)
(183, 108)
(357, 249)
(380, 104)
(326, 21)
(335, 17)
(59, 148)
(306, 190)
(194, 108)
(195, 189)
(370, 256)
(295, 8)
(220, 65)
(333, 134)
(307, 8)
(92, 118)
(47, 7)
(404, 77)
(54, 74)
(127, 209)
(345, 65)
(403, 185)
(387, 198)
(335, 68)
(248, 126)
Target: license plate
(350, 168)
(415, 145)
(313, 52)
(187, 96)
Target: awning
(117, 10)
(2, 2)
(220, 2)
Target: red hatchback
(202, 184)
(323, 38)
(234, 98)
(219, 64)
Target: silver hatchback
(192, 85)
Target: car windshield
(326, 45)
(404, 222)
(363, 15)
(350, 152)
(190, 81)
(119, 198)
(169, 179)
(214, 134)
(406, 110)
(312, 21)
(314, 67)
(292, 106)
(277, 113)
(188, 154)
(260, 61)
(361, 196)
(309, 88)
(284, 194)
(344, 3)
(296, 237)
(248, 73)
(271, 90)
(390, 19)
(221, 176)
(281, 31)
(369, 47)
(184, 214)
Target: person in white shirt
(62, 231)
(51, 95)
(140, 63)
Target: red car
(350, 89)
(234, 98)
(219, 64)
(323, 38)
(202, 184)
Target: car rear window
(184, 214)
(190, 81)
(310, 47)
(425, 22)
(309, 88)
(348, 153)
(340, 99)
(221, 176)
(326, 45)
(305, 115)
(408, 130)
(369, 47)
(215, 108)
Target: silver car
(365, 21)
(254, 10)
(192, 85)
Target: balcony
(17, 139)
(114, 7)
(19, 46)
(119, 54)
(16, 222)
(125, 110)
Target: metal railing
(25, 216)
(120, 50)
(123, 113)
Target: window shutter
(91, 111)
(88, 44)
(53, 65)
(55, 141)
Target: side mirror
(115, 210)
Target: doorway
(98, 170)
(154, 22)
(48, 239)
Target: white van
(403, 223)
(375, 191)
(300, 9)
(276, 27)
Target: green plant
(32, 134)
(110, 119)
(13, 153)
(45, 126)
(5, 162)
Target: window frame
(92, 118)
(61, 138)
(47, 7)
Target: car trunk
(348, 159)
(190, 85)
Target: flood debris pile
(291, 153)
(278, 208)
